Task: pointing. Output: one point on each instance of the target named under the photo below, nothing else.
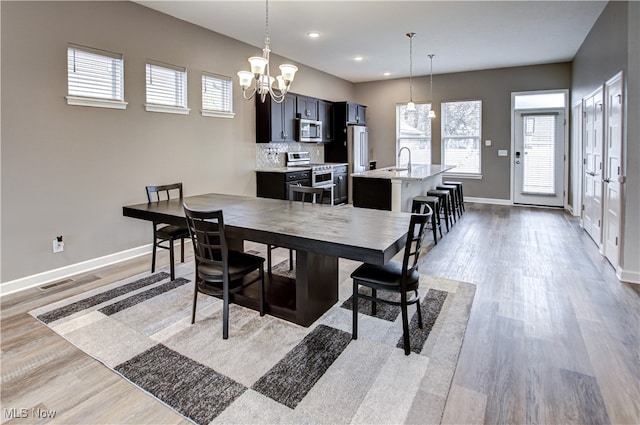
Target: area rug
(270, 370)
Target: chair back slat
(208, 236)
(415, 236)
(164, 192)
(306, 194)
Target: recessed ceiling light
(386, 74)
(313, 34)
(358, 58)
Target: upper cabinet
(351, 113)
(325, 114)
(275, 122)
(307, 107)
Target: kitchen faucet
(400, 152)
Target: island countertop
(417, 172)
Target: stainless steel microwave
(308, 130)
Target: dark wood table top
(360, 234)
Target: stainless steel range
(321, 174)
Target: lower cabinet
(274, 184)
(341, 181)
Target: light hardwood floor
(553, 336)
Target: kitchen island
(393, 188)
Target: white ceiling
(464, 35)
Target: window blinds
(94, 73)
(217, 93)
(166, 85)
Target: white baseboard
(70, 270)
(628, 276)
(488, 201)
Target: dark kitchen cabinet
(273, 184)
(275, 122)
(307, 107)
(325, 114)
(356, 114)
(341, 181)
(344, 114)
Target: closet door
(592, 166)
(613, 169)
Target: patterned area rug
(270, 370)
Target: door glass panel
(539, 154)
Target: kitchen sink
(396, 169)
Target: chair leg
(405, 325)
(419, 312)
(225, 315)
(195, 301)
(171, 259)
(374, 305)
(269, 259)
(354, 323)
(290, 259)
(153, 255)
(182, 250)
(262, 290)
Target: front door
(539, 157)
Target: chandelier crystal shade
(259, 79)
(411, 107)
(432, 113)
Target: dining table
(319, 234)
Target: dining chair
(165, 233)
(395, 277)
(220, 271)
(297, 193)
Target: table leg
(316, 285)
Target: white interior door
(539, 157)
(592, 166)
(613, 170)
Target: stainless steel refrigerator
(357, 152)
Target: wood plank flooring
(553, 336)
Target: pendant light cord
(410, 35)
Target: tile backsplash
(270, 155)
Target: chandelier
(411, 107)
(432, 113)
(259, 79)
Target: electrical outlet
(58, 245)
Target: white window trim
(214, 113)
(169, 109)
(452, 173)
(97, 103)
(151, 107)
(217, 114)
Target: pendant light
(432, 113)
(411, 107)
(260, 76)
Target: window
(461, 130)
(166, 89)
(217, 96)
(95, 78)
(413, 130)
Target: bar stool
(434, 203)
(460, 193)
(453, 190)
(445, 211)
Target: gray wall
(68, 170)
(613, 45)
(493, 87)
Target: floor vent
(54, 284)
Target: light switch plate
(502, 152)
(487, 142)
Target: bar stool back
(455, 205)
(445, 210)
(460, 192)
